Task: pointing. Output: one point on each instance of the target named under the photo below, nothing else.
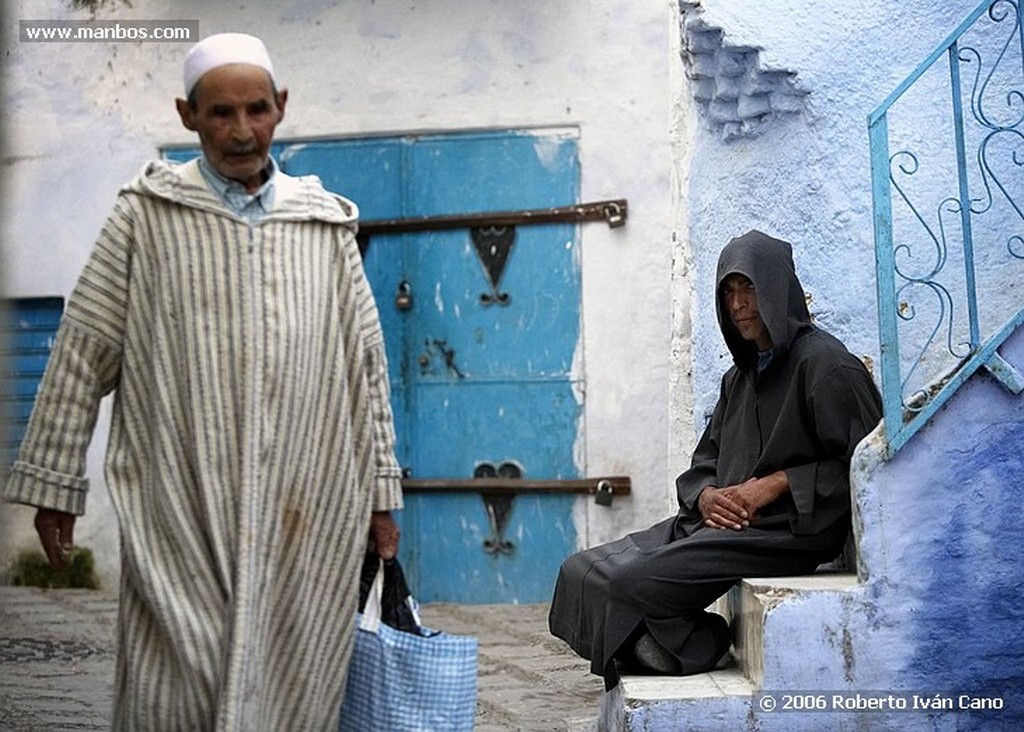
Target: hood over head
(300, 198)
(768, 263)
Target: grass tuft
(32, 570)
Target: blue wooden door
(481, 363)
(491, 372)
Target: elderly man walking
(251, 449)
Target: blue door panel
(21, 386)
(528, 423)
(20, 409)
(29, 361)
(40, 314)
(368, 172)
(492, 383)
(534, 335)
(492, 172)
(451, 565)
(460, 427)
(28, 327)
(32, 338)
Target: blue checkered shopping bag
(403, 682)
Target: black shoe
(654, 656)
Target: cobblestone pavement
(57, 664)
(56, 659)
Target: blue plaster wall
(942, 547)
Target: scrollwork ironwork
(969, 54)
(1000, 11)
(907, 163)
(992, 99)
(908, 311)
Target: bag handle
(370, 618)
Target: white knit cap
(221, 49)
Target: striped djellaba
(251, 437)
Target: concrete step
(747, 606)
(716, 700)
(722, 699)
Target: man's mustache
(243, 149)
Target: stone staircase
(730, 697)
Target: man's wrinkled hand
(724, 508)
(56, 531)
(383, 534)
(736, 506)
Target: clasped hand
(734, 507)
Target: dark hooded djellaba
(767, 492)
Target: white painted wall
(82, 118)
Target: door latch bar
(616, 486)
(614, 212)
(498, 485)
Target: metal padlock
(403, 298)
(604, 493)
(613, 215)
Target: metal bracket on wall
(493, 245)
(498, 506)
(614, 212)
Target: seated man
(767, 492)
